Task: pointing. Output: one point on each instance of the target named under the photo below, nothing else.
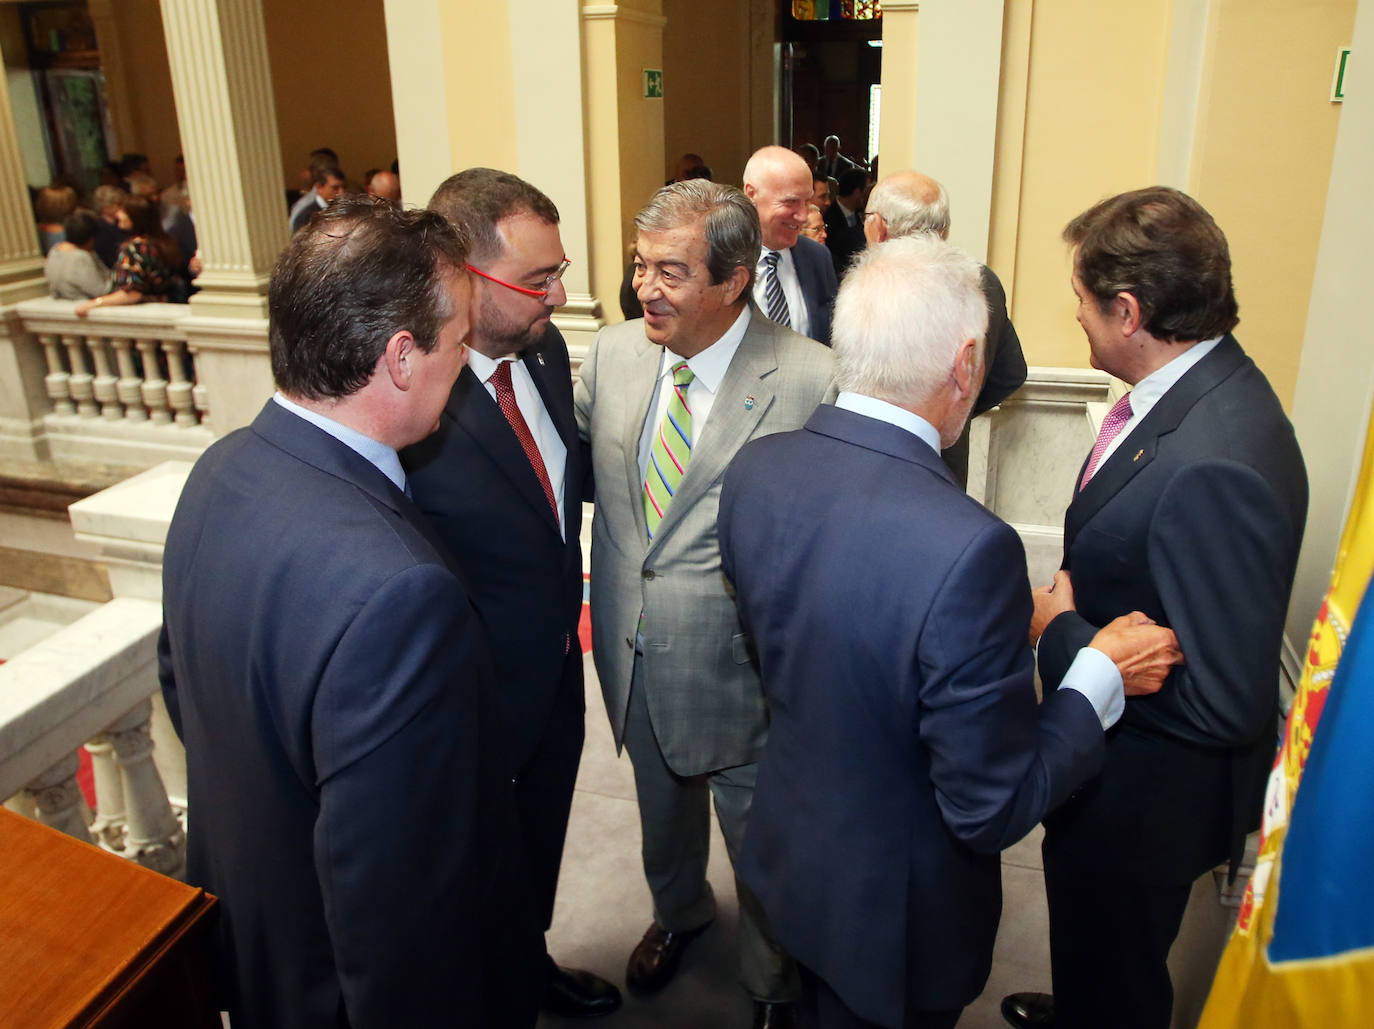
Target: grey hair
(906, 213)
(733, 237)
(904, 309)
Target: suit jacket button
(648, 573)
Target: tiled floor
(603, 908)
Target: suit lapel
(475, 412)
(641, 384)
(744, 396)
(1137, 450)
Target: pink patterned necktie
(1112, 425)
(505, 397)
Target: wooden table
(90, 939)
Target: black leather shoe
(768, 1015)
(655, 957)
(1029, 1010)
(577, 994)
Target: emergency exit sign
(653, 83)
(1338, 76)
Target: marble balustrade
(91, 684)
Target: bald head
(386, 185)
(907, 203)
(779, 184)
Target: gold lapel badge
(1138, 455)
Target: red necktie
(505, 396)
(1112, 425)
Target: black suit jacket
(905, 744)
(1006, 369)
(475, 484)
(325, 669)
(1196, 520)
(842, 239)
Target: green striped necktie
(671, 451)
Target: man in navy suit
(1191, 508)
(322, 662)
(502, 482)
(905, 745)
(794, 282)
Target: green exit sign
(1338, 77)
(653, 83)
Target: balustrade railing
(119, 364)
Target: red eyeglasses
(540, 293)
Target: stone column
(23, 399)
(222, 84)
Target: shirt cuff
(1096, 676)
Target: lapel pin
(749, 402)
(540, 358)
(1138, 455)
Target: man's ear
(739, 278)
(966, 368)
(750, 190)
(399, 357)
(1126, 308)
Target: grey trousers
(675, 821)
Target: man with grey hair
(906, 747)
(675, 666)
(907, 203)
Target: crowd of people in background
(133, 240)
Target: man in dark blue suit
(794, 282)
(321, 660)
(1191, 508)
(905, 746)
(502, 482)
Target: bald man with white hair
(908, 203)
(794, 281)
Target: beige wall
(481, 100)
(706, 73)
(331, 82)
(1091, 124)
(1082, 114)
(1262, 161)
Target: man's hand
(1050, 601)
(1144, 652)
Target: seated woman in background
(145, 269)
(51, 207)
(73, 270)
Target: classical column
(23, 398)
(108, 827)
(222, 84)
(940, 90)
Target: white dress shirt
(791, 290)
(551, 446)
(1092, 673)
(708, 370)
(386, 460)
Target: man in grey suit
(680, 689)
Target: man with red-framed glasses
(502, 482)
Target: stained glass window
(837, 10)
